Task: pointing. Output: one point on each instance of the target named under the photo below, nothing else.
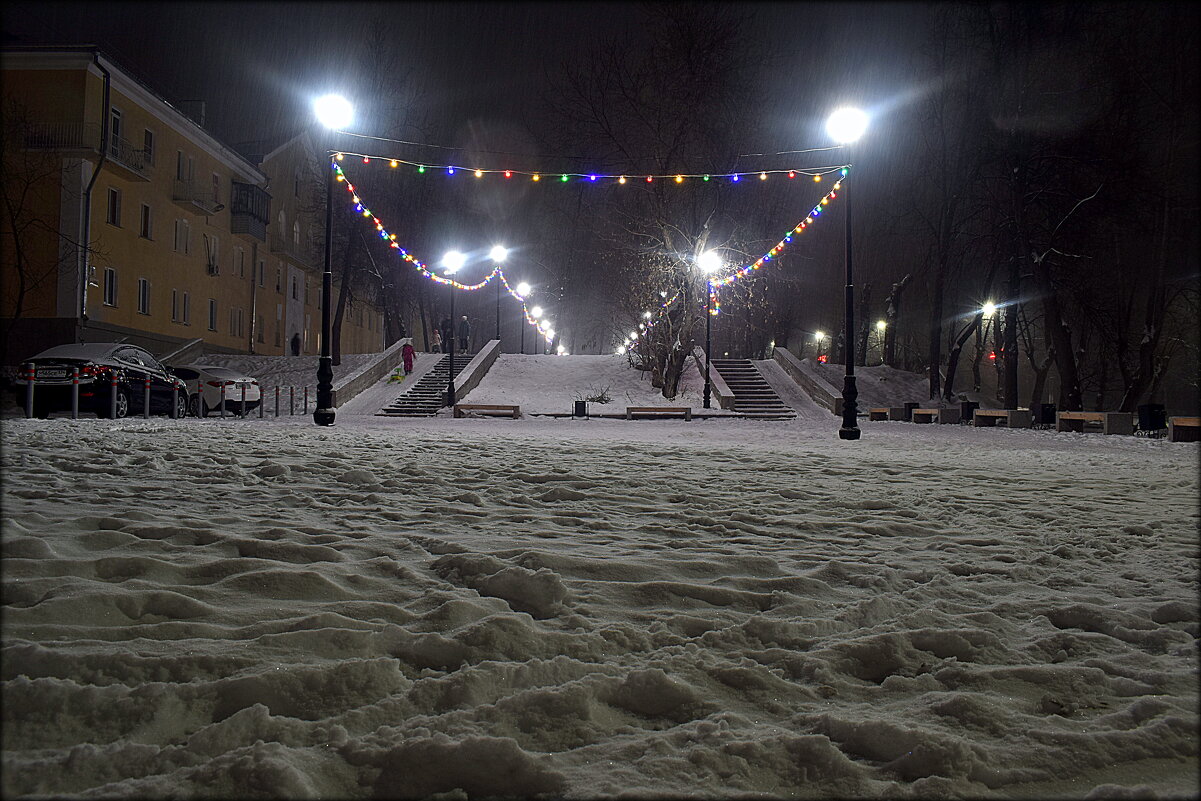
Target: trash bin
(966, 410)
(909, 407)
(1152, 417)
(581, 409)
(1044, 414)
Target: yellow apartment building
(189, 242)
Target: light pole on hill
(709, 262)
(335, 113)
(498, 255)
(452, 261)
(845, 126)
(523, 289)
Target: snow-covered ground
(588, 608)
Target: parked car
(204, 383)
(98, 364)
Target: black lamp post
(846, 125)
(523, 289)
(335, 113)
(498, 254)
(452, 261)
(709, 262)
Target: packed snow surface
(722, 608)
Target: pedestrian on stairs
(448, 333)
(436, 342)
(464, 333)
(406, 354)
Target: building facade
(190, 245)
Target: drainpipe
(254, 284)
(87, 200)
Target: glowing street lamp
(989, 309)
(709, 262)
(845, 126)
(452, 262)
(335, 113)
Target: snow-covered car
(205, 383)
(99, 363)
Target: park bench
(1184, 429)
(948, 415)
(474, 409)
(659, 411)
(1011, 418)
(1111, 422)
(886, 413)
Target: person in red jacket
(407, 353)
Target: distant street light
(498, 254)
(452, 261)
(989, 309)
(845, 126)
(524, 290)
(335, 113)
(709, 262)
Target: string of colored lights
(390, 238)
(592, 177)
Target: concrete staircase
(428, 395)
(753, 397)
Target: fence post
(243, 399)
(74, 393)
(306, 401)
(222, 400)
(277, 401)
(31, 374)
(262, 403)
(112, 394)
(146, 398)
(291, 401)
(175, 403)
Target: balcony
(191, 196)
(284, 246)
(85, 137)
(249, 207)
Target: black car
(99, 363)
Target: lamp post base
(848, 433)
(850, 409)
(324, 417)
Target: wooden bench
(1111, 422)
(666, 411)
(463, 409)
(878, 414)
(1012, 418)
(948, 415)
(1184, 429)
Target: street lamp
(335, 113)
(498, 254)
(709, 262)
(452, 261)
(536, 313)
(524, 290)
(881, 325)
(845, 126)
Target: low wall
(717, 385)
(471, 375)
(815, 385)
(351, 385)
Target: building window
(114, 207)
(183, 233)
(236, 323)
(212, 314)
(283, 225)
(143, 296)
(211, 253)
(308, 300)
(296, 232)
(110, 286)
(145, 229)
(296, 183)
(175, 305)
(114, 130)
(180, 166)
(187, 309)
(216, 188)
(148, 146)
(262, 272)
(258, 327)
(240, 261)
(279, 278)
(295, 293)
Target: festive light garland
(713, 283)
(390, 238)
(591, 177)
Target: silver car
(210, 386)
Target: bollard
(243, 399)
(306, 402)
(30, 377)
(146, 398)
(74, 393)
(112, 395)
(291, 401)
(262, 403)
(277, 402)
(222, 400)
(175, 403)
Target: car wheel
(181, 406)
(122, 402)
(194, 405)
